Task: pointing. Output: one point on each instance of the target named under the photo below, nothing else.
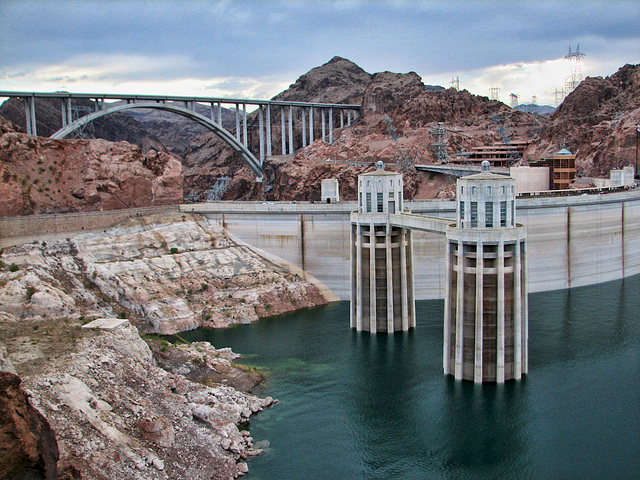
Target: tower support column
(477, 367)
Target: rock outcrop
(41, 175)
(118, 409)
(28, 447)
(337, 81)
(116, 414)
(168, 274)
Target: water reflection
(485, 432)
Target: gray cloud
(266, 38)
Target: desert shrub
(30, 292)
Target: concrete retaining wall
(14, 230)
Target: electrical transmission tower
(215, 193)
(494, 93)
(440, 145)
(534, 104)
(85, 130)
(513, 100)
(575, 77)
(455, 83)
(559, 96)
(502, 132)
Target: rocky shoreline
(76, 324)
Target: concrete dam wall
(572, 241)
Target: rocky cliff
(100, 407)
(41, 175)
(166, 273)
(117, 409)
(28, 448)
(597, 121)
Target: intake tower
(382, 296)
(486, 311)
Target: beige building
(530, 179)
(330, 190)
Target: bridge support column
(290, 130)
(27, 115)
(324, 130)
(310, 125)
(382, 297)
(261, 132)
(69, 111)
(245, 140)
(348, 118)
(330, 126)
(269, 149)
(64, 113)
(238, 121)
(341, 118)
(284, 131)
(30, 114)
(304, 127)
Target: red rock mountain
(597, 121)
(398, 112)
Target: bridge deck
(172, 98)
(413, 221)
(458, 170)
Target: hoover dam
(572, 240)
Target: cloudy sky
(255, 49)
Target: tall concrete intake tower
(486, 308)
(382, 291)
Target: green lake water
(361, 406)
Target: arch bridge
(207, 112)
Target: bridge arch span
(209, 124)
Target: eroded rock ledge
(166, 273)
(117, 409)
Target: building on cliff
(562, 169)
